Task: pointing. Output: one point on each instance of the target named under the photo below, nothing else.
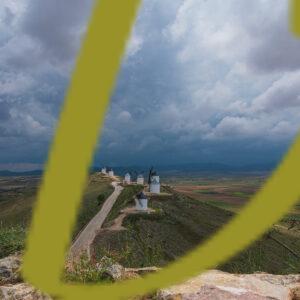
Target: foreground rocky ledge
(211, 285)
(219, 285)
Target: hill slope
(18, 195)
(178, 225)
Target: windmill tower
(141, 202)
(140, 179)
(153, 181)
(110, 172)
(127, 178)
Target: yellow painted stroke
(71, 155)
(72, 151)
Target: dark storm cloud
(8, 16)
(278, 48)
(201, 81)
(4, 111)
(39, 45)
(57, 25)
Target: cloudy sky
(202, 81)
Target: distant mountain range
(7, 173)
(190, 167)
(195, 168)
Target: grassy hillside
(98, 189)
(124, 200)
(17, 198)
(17, 202)
(179, 224)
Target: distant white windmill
(140, 179)
(127, 178)
(155, 185)
(153, 181)
(110, 172)
(141, 202)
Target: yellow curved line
(71, 155)
(295, 17)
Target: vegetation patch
(84, 271)
(270, 254)
(241, 194)
(221, 204)
(94, 198)
(20, 196)
(11, 240)
(207, 192)
(178, 225)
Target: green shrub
(100, 199)
(85, 272)
(11, 240)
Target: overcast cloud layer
(201, 81)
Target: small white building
(103, 170)
(140, 179)
(154, 184)
(141, 202)
(127, 178)
(110, 173)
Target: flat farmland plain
(227, 191)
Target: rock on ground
(219, 285)
(10, 269)
(115, 271)
(21, 291)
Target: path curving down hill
(84, 240)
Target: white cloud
(134, 44)
(283, 94)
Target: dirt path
(85, 238)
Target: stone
(219, 285)
(21, 291)
(115, 271)
(10, 269)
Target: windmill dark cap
(141, 195)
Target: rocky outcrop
(115, 271)
(21, 291)
(11, 287)
(218, 285)
(10, 269)
(214, 285)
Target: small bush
(100, 199)
(11, 240)
(85, 272)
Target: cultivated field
(229, 191)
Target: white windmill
(140, 179)
(141, 202)
(127, 178)
(153, 181)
